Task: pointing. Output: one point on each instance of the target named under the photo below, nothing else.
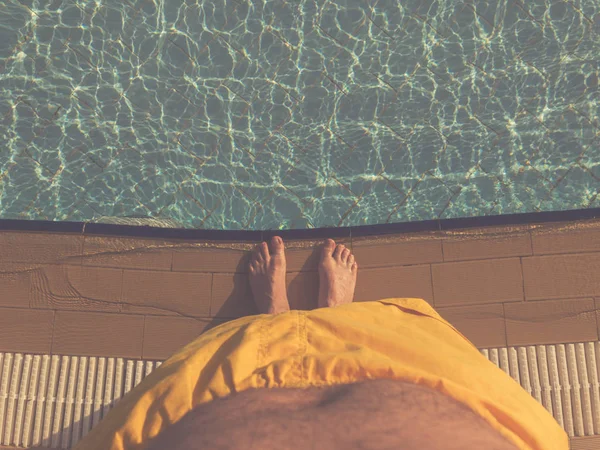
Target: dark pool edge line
(87, 228)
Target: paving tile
(15, 286)
(163, 336)
(394, 282)
(550, 321)
(127, 253)
(486, 248)
(304, 256)
(39, 247)
(565, 241)
(584, 442)
(303, 290)
(76, 288)
(483, 325)
(477, 282)
(231, 296)
(561, 276)
(212, 260)
(26, 330)
(375, 253)
(179, 292)
(98, 334)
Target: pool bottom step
(53, 401)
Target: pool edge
(88, 228)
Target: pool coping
(144, 231)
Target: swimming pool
(300, 114)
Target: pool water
(300, 114)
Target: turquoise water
(299, 114)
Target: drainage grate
(562, 377)
(54, 401)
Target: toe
(350, 260)
(277, 245)
(263, 252)
(255, 254)
(337, 253)
(354, 267)
(345, 255)
(328, 249)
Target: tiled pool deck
(143, 298)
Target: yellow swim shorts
(394, 338)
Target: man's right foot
(337, 275)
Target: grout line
(369, 268)
(8, 307)
(522, 278)
(143, 337)
(149, 269)
(596, 314)
(22, 308)
(212, 283)
(30, 291)
(530, 233)
(505, 329)
(474, 260)
(431, 282)
(568, 253)
(121, 313)
(53, 327)
(82, 251)
(121, 292)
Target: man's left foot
(267, 277)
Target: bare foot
(337, 275)
(267, 277)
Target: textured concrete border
(314, 233)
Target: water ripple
(245, 115)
